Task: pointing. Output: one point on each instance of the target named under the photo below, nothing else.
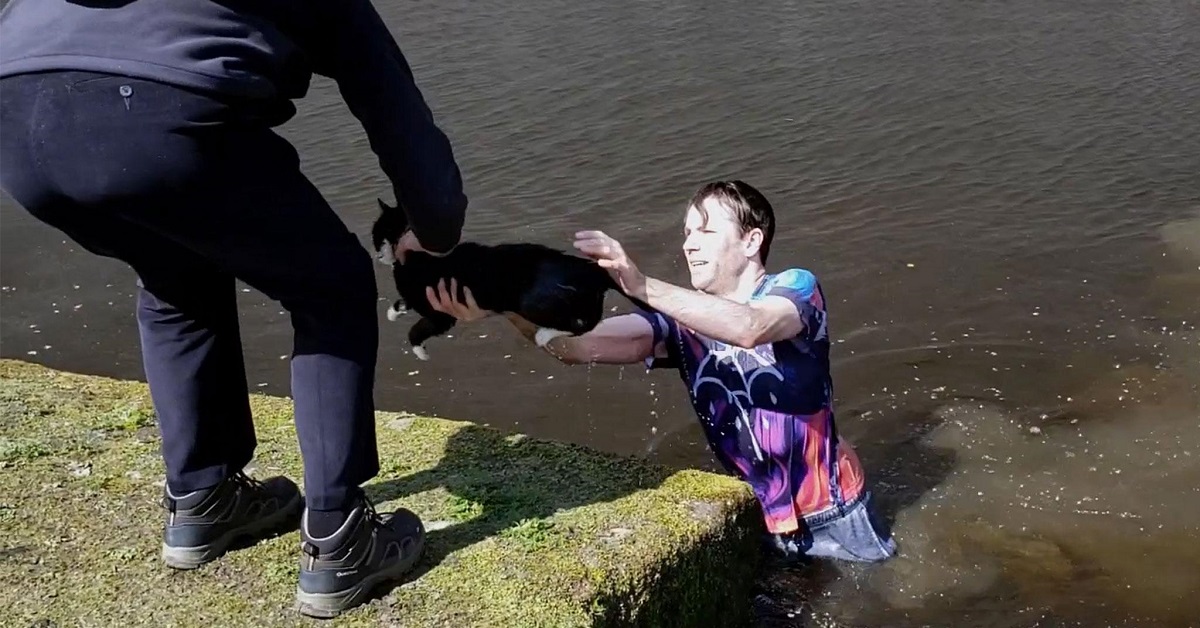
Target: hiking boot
(202, 525)
(339, 571)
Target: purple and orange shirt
(767, 412)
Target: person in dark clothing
(143, 130)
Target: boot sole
(330, 605)
(186, 558)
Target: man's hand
(408, 242)
(609, 254)
(443, 301)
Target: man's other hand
(443, 301)
(610, 255)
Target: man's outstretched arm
(624, 339)
(747, 325)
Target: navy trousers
(193, 192)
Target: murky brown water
(1002, 200)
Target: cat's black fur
(547, 287)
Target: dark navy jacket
(262, 53)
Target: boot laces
(246, 482)
(372, 515)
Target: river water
(1002, 200)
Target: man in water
(142, 129)
(752, 348)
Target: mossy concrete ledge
(522, 532)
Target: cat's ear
(384, 206)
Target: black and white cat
(562, 294)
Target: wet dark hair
(750, 208)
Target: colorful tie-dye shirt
(767, 412)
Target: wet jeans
(853, 533)
(192, 193)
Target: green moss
(21, 450)
(522, 532)
(129, 416)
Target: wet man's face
(715, 248)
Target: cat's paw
(386, 255)
(394, 313)
(421, 353)
(545, 335)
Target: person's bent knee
(346, 283)
(356, 286)
(342, 293)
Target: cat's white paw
(394, 313)
(545, 335)
(386, 255)
(421, 353)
